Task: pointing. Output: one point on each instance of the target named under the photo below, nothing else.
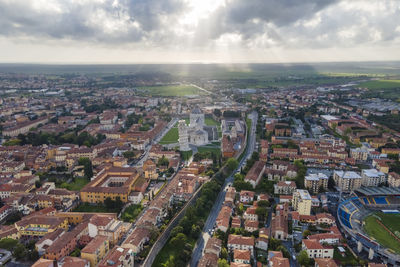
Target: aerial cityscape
(174, 133)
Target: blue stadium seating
(380, 200)
(344, 217)
(357, 202)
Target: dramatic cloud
(200, 28)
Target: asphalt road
(156, 140)
(210, 222)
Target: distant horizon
(196, 63)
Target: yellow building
(150, 169)
(77, 217)
(40, 225)
(95, 251)
(302, 202)
(44, 201)
(111, 182)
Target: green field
(381, 84)
(347, 259)
(385, 89)
(186, 154)
(131, 212)
(212, 149)
(171, 90)
(168, 252)
(376, 231)
(211, 122)
(76, 185)
(170, 137)
(87, 207)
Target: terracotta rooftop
(95, 244)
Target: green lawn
(375, 230)
(186, 154)
(211, 122)
(347, 260)
(172, 90)
(131, 212)
(77, 185)
(386, 89)
(169, 251)
(100, 208)
(381, 84)
(170, 137)
(215, 150)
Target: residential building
(95, 250)
(222, 220)
(240, 242)
(241, 256)
(325, 218)
(372, 177)
(246, 196)
(255, 173)
(325, 263)
(315, 181)
(394, 179)
(276, 259)
(315, 250)
(118, 257)
(302, 202)
(284, 188)
(347, 180)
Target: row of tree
(190, 226)
(70, 137)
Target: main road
(210, 222)
(157, 139)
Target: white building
(183, 136)
(347, 181)
(194, 133)
(372, 177)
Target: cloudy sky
(138, 31)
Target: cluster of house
(293, 212)
(180, 189)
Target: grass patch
(131, 212)
(215, 150)
(186, 154)
(347, 259)
(167, 251)
(87, 207)
(381, 84)
(211, 122)
(375, 230)
(76, 185)
(385, 89)
(170, 137)
(171, 90)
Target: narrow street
(210, 222)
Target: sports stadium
(371, 218)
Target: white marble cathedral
(194, 133)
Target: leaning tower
(183, 136)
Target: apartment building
(302, 202)
(347, 180)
